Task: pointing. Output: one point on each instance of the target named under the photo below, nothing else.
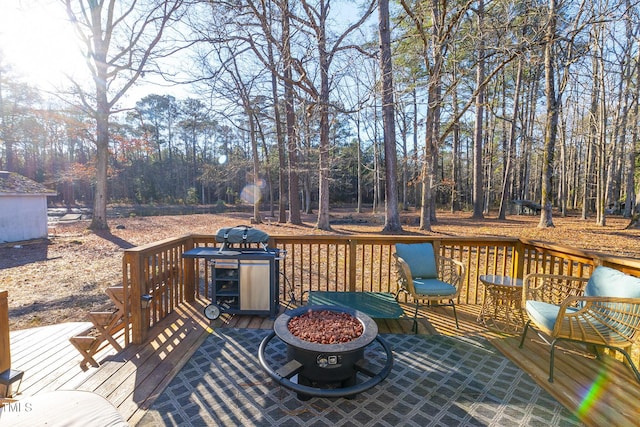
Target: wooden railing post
(139, 317)
(518, 261)
(8, 376)
(5, 350)
(436, 247)
(353, 251)
(189, 265)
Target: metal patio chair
(427, 277)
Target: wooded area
(493, 102)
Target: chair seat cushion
(433, 287)
(543, 314)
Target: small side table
(502, 306)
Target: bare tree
(562, 48)
(121, 42)
(313, 18)
(436, 27)
(631, 200)
(392, 218)
(435, 39)
(241, 85)
(506, 183)
(280, 135)
(292, 135)
(16, 102)
(551, 123)
(624, 114)
(478, 198)
(316, 18)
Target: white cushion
(62, 408)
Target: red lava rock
(325, 327)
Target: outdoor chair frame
(442, 281)
(596, 321)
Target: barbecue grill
(244, 273)
(326, 370)
(242, 236)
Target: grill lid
(241, 235)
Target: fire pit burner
(325, 327)
(326, 370)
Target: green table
(377, 305)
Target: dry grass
(64, 277)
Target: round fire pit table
(326, 370)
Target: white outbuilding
(23, 208)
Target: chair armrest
(405, 281)
(599, 320)
(451, 271)
(551, 288)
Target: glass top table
(502, 306)
(377, 305)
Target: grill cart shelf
(243, 281)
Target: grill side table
(502, 307)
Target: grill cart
(244, 273)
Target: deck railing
(337, 263)
(5, 351)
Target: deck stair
(107, 325)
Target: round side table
(502, 307)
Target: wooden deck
(599, 392)
(131, 379)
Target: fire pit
(327, 366)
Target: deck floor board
(133, 378)
(48, 357)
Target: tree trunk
(601, 185)
(256, 195)
(562, 185)
(417, 189)
(280, 137)
(430, 149)
(376, 160)
(99, 219)
(292, 137)
(478, 199)
(506, 181)
(551, 122)
(392, 217)
(323, 107)
(433, 114)
(404, 173)
(630, 201)
(359, 168)
(455, 154)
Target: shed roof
(13, 183)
